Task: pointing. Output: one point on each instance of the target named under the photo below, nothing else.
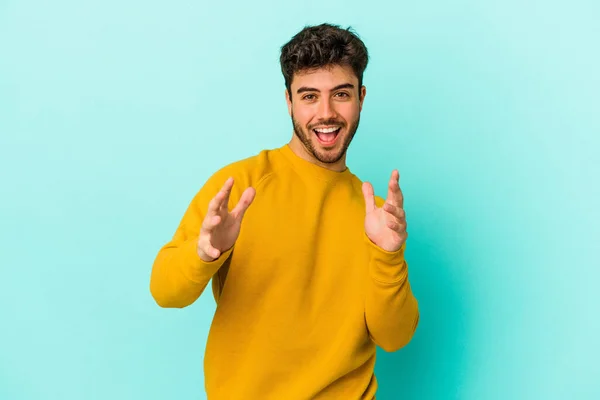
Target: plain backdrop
(113, 114)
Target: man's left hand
(386, 225)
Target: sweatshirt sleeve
(179, 276)
(391, 309)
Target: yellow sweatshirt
(303, 297)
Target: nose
(326, 110)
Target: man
(307, 264)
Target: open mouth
(327, 136)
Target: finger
(395, 195)
(369, 196)
(227, 190)
(205, 247)
(214, 206)
(396, 226)
(210, 223)
(392, 224)
(211, 251)
(395, 211)
(245, 201)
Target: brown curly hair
(321, 46)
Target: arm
(391, 309)
(179, 275)
(201, 244)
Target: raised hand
(220, 228)
(386, 225)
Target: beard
(327, 156)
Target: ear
(363, 93)
(288, 101)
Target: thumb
(369, 196)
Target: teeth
(327, 130)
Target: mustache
(330, 122)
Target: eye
(308, 97)
(342, 94)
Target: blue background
(113, 114)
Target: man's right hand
(220, 228)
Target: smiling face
(325, 107)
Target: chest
(297, 218)
(298, 235)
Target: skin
(318, 98)
(324, 97)
(221, 227)
(386, 226)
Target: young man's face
(325, 106)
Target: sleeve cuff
(196, 269)
(387, 267)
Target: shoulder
(357, 185)
(246, 172)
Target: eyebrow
(309, 89)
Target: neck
(300, 150)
